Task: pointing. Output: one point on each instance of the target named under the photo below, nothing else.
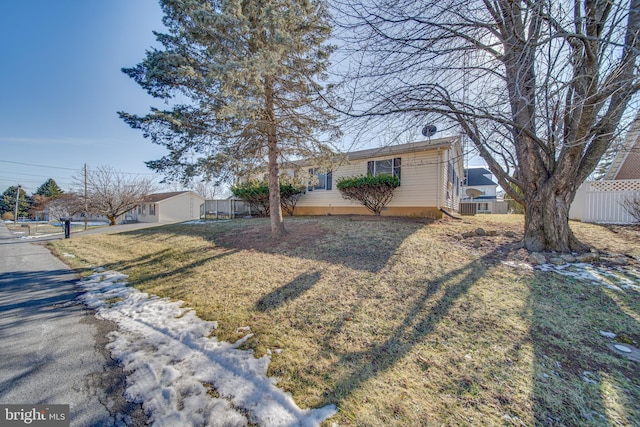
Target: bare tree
(206, 189)
(540, 88)
(64, 205)
(632, 205)
(112, 193)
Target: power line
(73, 169)
(40, 166)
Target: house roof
(389, 150)
(626, 164)
(476, 176)
(402, 148)
(158, 197)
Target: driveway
(53, 348)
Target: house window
(384, 167)
(483, 207)
(144, 209)
(152, 209)
(320, 180)
(139, 210)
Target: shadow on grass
(350, 241)
(578, 379)
(156, 264)
(420, 320)
(288, 292)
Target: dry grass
(400, 321)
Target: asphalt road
(51, 346)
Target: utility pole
(15, 217)
(86, 207)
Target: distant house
(478, 189)
(626, 164)
(430, 173)
(168, 207)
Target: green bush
(289, 196)
(257, 195)
(372, 191)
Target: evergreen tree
(8, 201)
(250, 70)
(49, 189)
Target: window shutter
(370, 170)
(329, 180)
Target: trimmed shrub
(373, 191)
(257, 195)
(289, 196)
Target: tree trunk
(112, 220)
(546, 226)
(275, 211)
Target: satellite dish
(429, 130)
(473, 192)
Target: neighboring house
(601, 201)
(626, 164)
(168, 207)
(479, 189)
(430, 173)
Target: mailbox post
(67, 227)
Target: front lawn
(402, 321)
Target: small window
(385, 167)
(152, 209)
(139, 210)
(144, 209)
(320, 180)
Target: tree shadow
(288, 292)
(578, 378)
(327, 239)
(420, 320)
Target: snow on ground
(616, 278)
(172, 363)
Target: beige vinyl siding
(180, 208)
(183, 207)
(418, 185)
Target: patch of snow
(169, 357)
(66, 255)
(518, 265)
(608, 334)
(204, 221)
(616, 278)
(622, 348)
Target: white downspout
(439, 173)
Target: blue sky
(61, 86)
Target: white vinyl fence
(601, 201)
